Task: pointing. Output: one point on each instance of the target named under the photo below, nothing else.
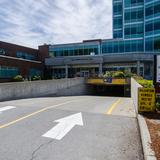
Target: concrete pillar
(138, 68)
(100, 69)
(66, 71)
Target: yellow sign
(107, 81)
(95, 81)
(146, 99)
(119, 81)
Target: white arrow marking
(64, 126)
(6, 108)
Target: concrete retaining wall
(59, 87)
(134, 92)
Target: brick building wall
(24, 59)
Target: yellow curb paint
(113, 106)
(32, 114)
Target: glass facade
(152, 44)
(8, 72)
(121, 46)
(133, 31)
(117, 19)
(133, 19)
(152, 9)
(136, 29)
(117, 22)
(24, 55)
(74, 50)
(134, 15)
(133, 3)
(118, 33)
(152, 26)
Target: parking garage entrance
(114, 87)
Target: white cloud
(34, 22)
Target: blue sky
(35, 22)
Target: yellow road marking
(113, 106)
(34, 113)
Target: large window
(153, 44)
(117, 22)
(8, 72)
(122, 46)
(134, 31)
(117, 34)
(74, 50)
(117, 8)
(2, 51)
(24, 55)
(153, 10)
(134, 15)
(133, 3)
(153, 27)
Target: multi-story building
(136, 38)
(19, 60)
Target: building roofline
(76, 43)
(84, 42)
(112, 39)
(18, 45)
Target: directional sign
(6, 108)
(64, 126)
(146, 99)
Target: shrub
(36, 78)
(136, 77)
(118, 74)
(146, 83)
(18, 78)
(158, 106)
(128, 74)
(107, 74)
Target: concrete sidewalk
(149, 154)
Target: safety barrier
(57, 87)
(134, 92)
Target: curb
(149, 154)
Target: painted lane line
(114, 105)
(6, 108)
(65, 125)
(34, 113)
